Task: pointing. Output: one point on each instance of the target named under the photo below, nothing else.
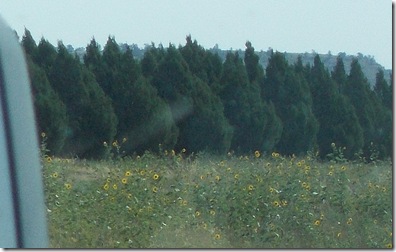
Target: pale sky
(349, 26)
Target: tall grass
(205, 201)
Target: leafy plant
(337, 155)
(251, 201)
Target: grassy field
(204, 201)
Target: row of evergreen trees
(186, 97)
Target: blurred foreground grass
(205, 201)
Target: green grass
(173, 201)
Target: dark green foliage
(254, 70)
(149, 64)
(195, 57)
(172, 79)
(93, 61)
(345, 128)
(273, 128)
(196, 110)
(173, 83)
(91, 117)
(144, 118)
(339, 75)
(337, 118)
(369, 111)
(384, 136)
(206, 128)
(110, 81)
(289, 92)
(46, 55)
(299, 68)
(151, 120)
(29, 45)
(202, 63)
(66, 78)
(381, 145)
(186, 97)
(115, 73)
(357, 90)
(50, 110)
(234, 82)
(122, 74)
(100, 121)
(243, 106)
(214, 68)
(383, 90)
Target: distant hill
(369, 65)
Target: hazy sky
(349, 26)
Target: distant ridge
(369, 66)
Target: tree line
(188, 98)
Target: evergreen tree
(202, 63)
(381, 146)
(336, 115)
(254, 70)
(290, 94)
(382, 90)
(46, 55)
(381, 98)
(92, 119)
(110, 81)
(92, 55)
(195, 55)
(174, 84)
(94, 62)
(151, 58)
(29, 45)
(187, 97)
(50, 111)
(150, 120)
(149, 63)
(115, 73)
(172, 79)
(206, 128)
(339, 75)
(144, 118)
(299, 68)
(122, 92)
(243, 106)
(214, 69)
(273, 129)
(358, 91)
(99, 118)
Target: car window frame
(23, 214)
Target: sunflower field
(175, 200)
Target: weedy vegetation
(175, 200)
